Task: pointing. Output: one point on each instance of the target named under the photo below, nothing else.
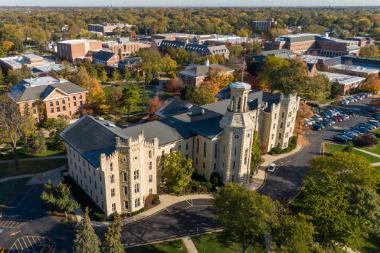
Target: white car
(272, 168)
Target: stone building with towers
(119, 167)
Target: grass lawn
(10, 188)
(166, 247)
(376, 148)
(7, 154)
(216, 243)
(29, 167)
(331, 148)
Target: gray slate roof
(103, 55)
(20, 92)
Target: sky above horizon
(195, 3)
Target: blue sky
(188, 2)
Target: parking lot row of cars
(354, 98)
(327, 118)
(359, 129)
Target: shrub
(156, 199)
(365, 140)
(291, 145)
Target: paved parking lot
(10, 223)
(27, 244)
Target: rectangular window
(136, 174)
(58, 109)
(63, 101)
(197, 146)
(124, 176)
(150, 178)
(126, 204)
(113, 207)
(137, 188)
(52, 110)
(215, 150)
(150, 154)
(51, 104)
(125, 190)
(245, 156)
(187, 146)
(204, 149)
(150, 165)
(113, 192)
(112, 179)
(137, 202)
(75, 103)
(63, 108)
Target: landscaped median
(176, 246)
(332, 148)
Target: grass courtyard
(166, 247)
(216, 243)
(29, 167)
(331, 148)
(376, 148)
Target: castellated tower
(238, 128)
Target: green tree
(86, 241)
(13, 125)
(347, 204)
(245, 215)
(116, 75)
(256, 158)
(112, 238)
(205, 94)
(317, 88)
(58, 197)
(130, 98)
(103, 75)
(169, 66)
(177, 171)
(294, 234)
(335, 90)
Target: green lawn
(376, 148)
(10, 188)
(331, 148)
(29, 167)
(7, 154)
(166, 247)
(216, 243)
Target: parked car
(272, 168)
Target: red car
(338, 118)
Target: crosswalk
(10, 223)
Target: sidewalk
(367, 152)
(189, 244)
(258, 180)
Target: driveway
(182, 219)
(284, 184)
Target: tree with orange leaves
(303, 113)
(154, 105)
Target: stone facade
(128, 160)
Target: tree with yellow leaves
(372, 84)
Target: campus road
(284, 184)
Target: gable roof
(22, 92)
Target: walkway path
(35, 158)
(189, 244)
(367, 152)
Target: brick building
(49, 96)
(71, 50)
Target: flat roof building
(71, 50)
(347, 82)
